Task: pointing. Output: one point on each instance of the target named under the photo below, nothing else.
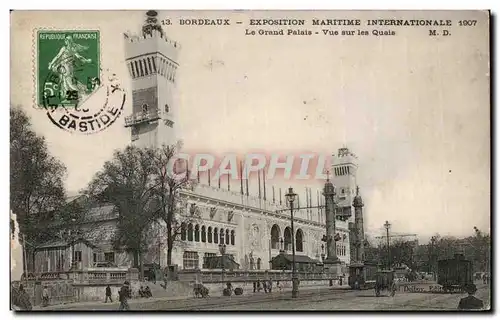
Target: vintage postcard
(250, 160)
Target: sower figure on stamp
(124, 295)
(63, 65)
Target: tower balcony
(141, 117)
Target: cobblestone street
(312, 299)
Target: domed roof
(329, 188)
(358, 201)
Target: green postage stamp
(68, 67)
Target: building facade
(254, 230)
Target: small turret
(358, 201)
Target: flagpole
(264, 181)
(247, 177)
(260, 195)
(198, 173)
(241, 177)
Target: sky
(414, 109)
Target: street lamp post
(387, 225)
(222, 250)
(72, 239)
(290, 197)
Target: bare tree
(171, 176)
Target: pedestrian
(45, 296)
(254, 286)
(264, 284)
(141, 292)
(124, 295)
(108, 295)
(147, 292)
(470, 302)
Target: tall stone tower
(344, 168)
(358, 229)
(152, 63)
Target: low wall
(90, 285)
(254, 275)
(216, 288)
(78, 285)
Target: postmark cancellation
(71, 85)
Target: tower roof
(358, 201)
(328, 189)
(151, 24)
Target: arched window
(299, 238)
(183, 231)
(209, 235)
(216, 236)
(153, 60)
(232, 237)
(227, 237)
(150, 66)
(190, 232)
(132, 71)
(203, 234)
(275, 236)
(141, 68)
(259, 261)
(197, 233)
(288, 238)
(136, 66)
(221, 236)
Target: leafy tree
(126, 181)
(36, 179)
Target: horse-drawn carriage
(371, 276)
(384, 280)
(200, 291)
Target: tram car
(363, 275)
(455, 274)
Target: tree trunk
(136, 259)
(169, 256)
(141, 267)
(170, 242)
